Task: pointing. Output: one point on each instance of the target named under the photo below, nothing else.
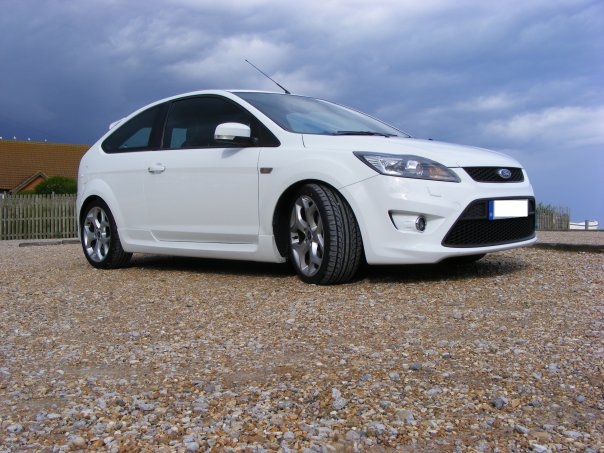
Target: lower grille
(474, 229)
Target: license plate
(507, 209)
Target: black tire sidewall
(332, 208)
(115, 256)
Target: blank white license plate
(507, 209)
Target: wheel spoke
(88, 236)
(96, 234)
(299, 224)
(316, 254)
(306, 236)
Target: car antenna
(268, 77)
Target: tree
(57, 185)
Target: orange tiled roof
(20, 160)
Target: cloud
(565, 126)
(495, 102)
(524, 75)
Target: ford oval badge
(504, 173)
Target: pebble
(195, 355)
(192, 446)
(78, 443)
(338, 402)
(500, 402)
(15, 428)
(415, 366)
(353, 436)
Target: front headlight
(407, 166)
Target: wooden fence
(38, 217)
(54, 217)
(552, 218)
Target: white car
(273, 177)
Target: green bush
(57, 185)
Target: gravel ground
(506, 354)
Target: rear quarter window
(136, 134)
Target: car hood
(448, 154)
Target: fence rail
(38, 217)
(552, 218)
(54, 217)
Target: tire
(325, 245)
(100, 238)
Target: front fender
(280, 170)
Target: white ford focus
(274, 177)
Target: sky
(522, 77)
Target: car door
(126, 152)
(197, 190)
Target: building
(25, 164)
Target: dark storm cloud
(524, 77)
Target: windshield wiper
(383, 134)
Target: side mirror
(233, 133)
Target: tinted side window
(191, 123)
(135, 135)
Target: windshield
(313, 116)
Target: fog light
(420, 223)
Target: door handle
(156, 168)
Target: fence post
(37, 217)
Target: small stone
(377, 428)
(500, 402)
(580, 399)
(541, 436)
(352, 435)
(415, 366)
(145, 407)
(394, 376)
(521, 429)
(535, 403)
(14, 428)
(339, 403)
(78, 443)
(284, 404)
(406, 416)
(434, 391)
(192, 446)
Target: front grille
(490, 174)
(474, 229)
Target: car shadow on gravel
(210, 266)
(488, 267)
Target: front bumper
(456, 224)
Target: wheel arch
(99, 190)
(281, 212)
(86, 202)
